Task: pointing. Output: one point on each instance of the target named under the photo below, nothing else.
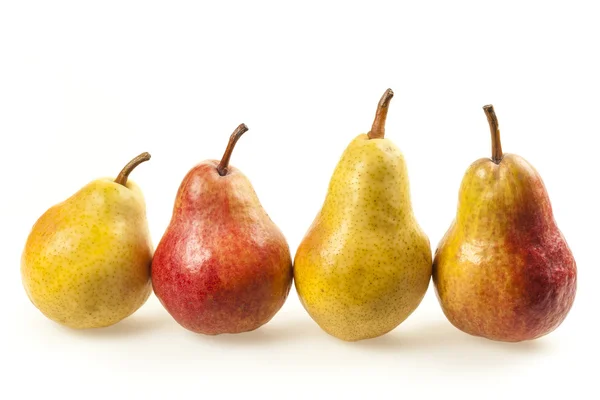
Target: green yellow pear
(86, 263)
(365, 264)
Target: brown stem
(239, 131)
(378, 129)
(495, 131)
(124, 174)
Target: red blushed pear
(222, 265)
(504, 270)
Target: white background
(84, 88)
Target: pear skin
(504, 270)
(222, 265)
(365, 264)
(86, 262)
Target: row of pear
(502, 271)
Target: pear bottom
(356, 325)
(506, 291)
(362, 301)
(89, 306)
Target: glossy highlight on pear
(504, 270)
(365, 264)
(222, 265)
(86, 262)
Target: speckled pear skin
(86, 262)
(222, 265)
(504, 270)
(365, 264)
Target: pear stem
(124, 174)
(378, 129)
(495, 131)
(235, 136)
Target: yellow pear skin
(86, 262)
(365, 264)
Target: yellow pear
(86, 263)
(365, 264)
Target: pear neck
(378, 128)
(382, 198)
(121, 179)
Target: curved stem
(378, 129)
(495, 131)
(235, 136)
(124, 174)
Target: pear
(222, 266)
(365, 264)
(86, 262)
(504, 270)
